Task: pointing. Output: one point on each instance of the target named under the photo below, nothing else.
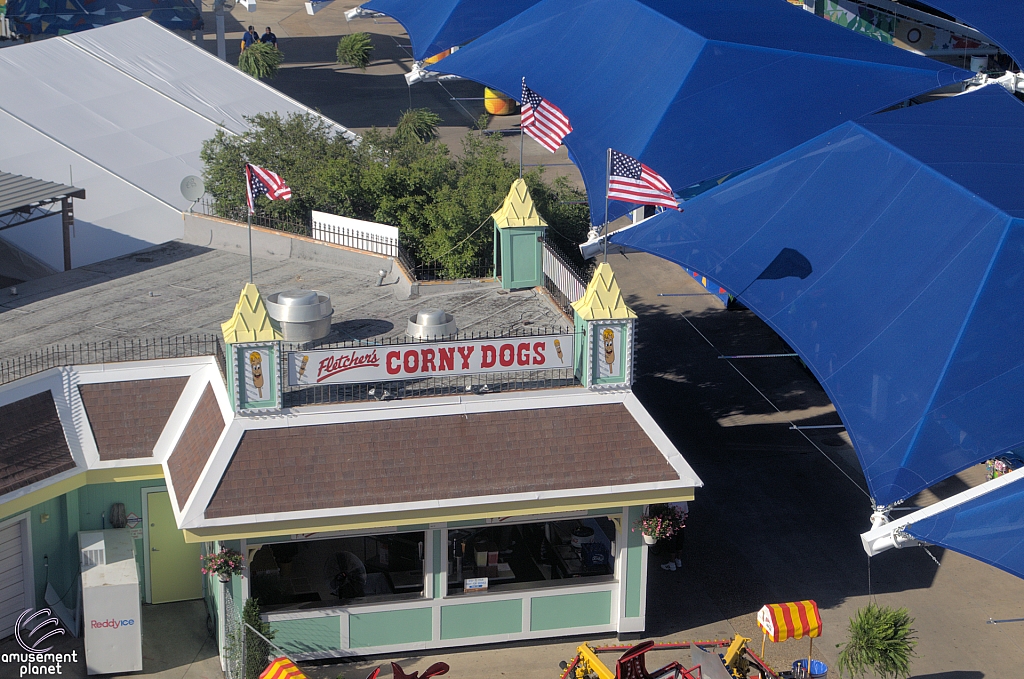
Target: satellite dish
(192, 188)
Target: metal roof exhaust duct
(304, 315)
(431, 324)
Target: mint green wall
(389, 627)
(634, 561)
(308, 635)
(482, 619)
(582, 351)
(571, 610)
(94, 511)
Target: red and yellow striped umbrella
(282, 668)
(793, 620)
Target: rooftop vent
(304, 315)
(431, 324)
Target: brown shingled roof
(32, 443)
(429, 458)
(128, 417)
(195, 445)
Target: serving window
(530, 554)
(338, 571)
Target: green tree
(260, 60)
(355, 50)
(440, 203)
(881, 640)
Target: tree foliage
(440, 202)
(355, 50)
(881, 640)
(256, 649)
(260, 60)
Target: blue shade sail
(989, 528)
(61, 17)
(889, 253)
(1001, 20)
(436, 25)
(694, 90)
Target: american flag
(260, 182)
(633, 182)
(542, 120)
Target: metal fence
(562, 279)
(247, 651)
(304, 395)
(354, 238)
(238, 214)
(116, 351)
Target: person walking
(248, 38)
(269, 38)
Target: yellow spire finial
(603, 299)
(518, 208)
(250, 322)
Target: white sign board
(429, 359)
(474, 585)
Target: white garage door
(12, 576)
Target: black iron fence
(210, 208)
(447, 385)
(115, 351)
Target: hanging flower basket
(658, 525)
(223, 564)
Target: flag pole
(607, 181)
(250, 245)
(520, 144)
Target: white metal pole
(607, 182)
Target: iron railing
(562, 279)
(115, 351)
(238, 214)
(386, 390)
(354, 238)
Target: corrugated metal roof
(18, 191)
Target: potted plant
(223, 564)
(881, 640)
(658, 525)
(260, 60)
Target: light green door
(174, 573)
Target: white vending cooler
(110, 601)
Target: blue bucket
(819, 670)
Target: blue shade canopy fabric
(888, 253)
(989, 528)
(436, 25)
(1001, 20)
(61, 17)
(694, 90)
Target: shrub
(881, 640)
(355, 50)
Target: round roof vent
(431, 324)
(304, 315)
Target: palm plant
(419, 124)
(881, 640)
(260, 60)
(355, 50)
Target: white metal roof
(124, 110)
